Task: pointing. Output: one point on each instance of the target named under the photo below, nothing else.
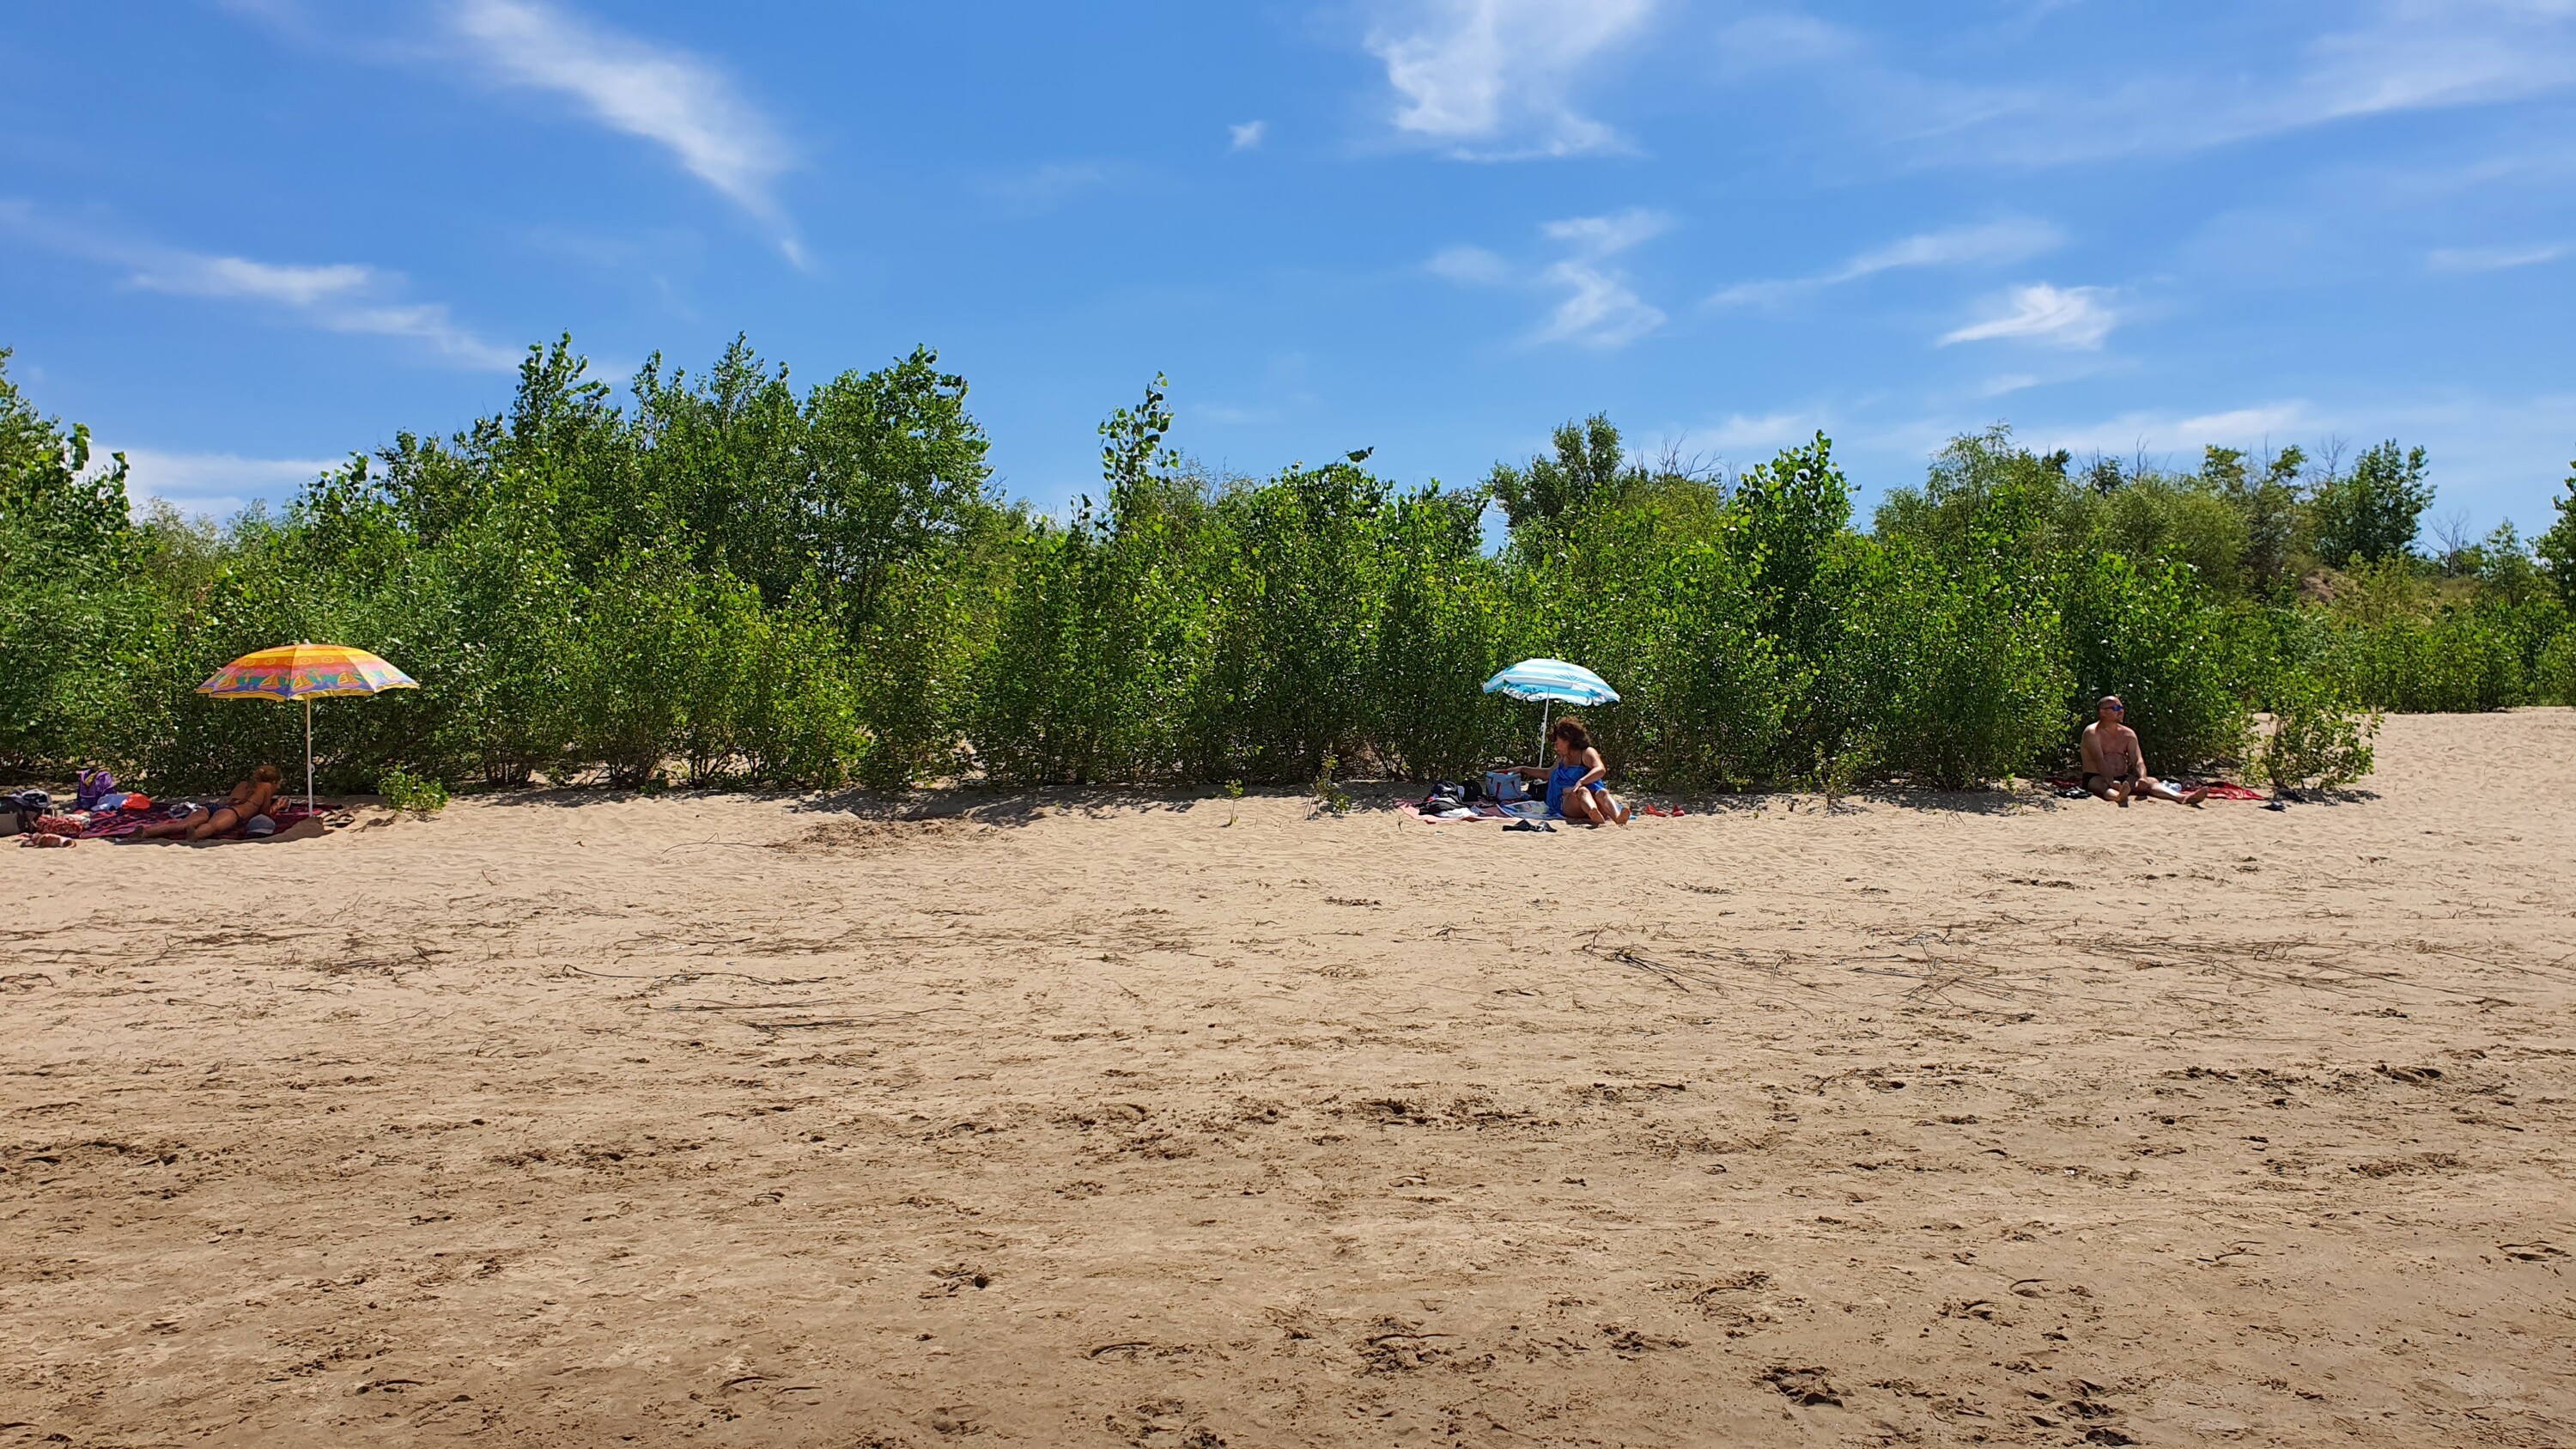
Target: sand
(1099, 1120)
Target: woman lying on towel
(248, 800)
(1575, 784)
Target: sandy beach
(1108, 1120)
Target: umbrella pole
(308, 757)
(1543, 707)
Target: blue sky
(241, 238)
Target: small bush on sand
(2316, 741)
(412, 794)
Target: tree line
(726, 579)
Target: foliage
(1329, 794)
(2373, 512)
(2555, 672)
(1588, 464)
(1946, 675)
(412, 794)
(728, 579)
(2557, 546)
(2316, 740)
(2152, 636)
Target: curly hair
(1571, 730)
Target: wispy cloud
(1740, 433)
(1037, 190)
(2385, 57)
(2258, 426)
(1473, 265)
(333, 297)
(1599, 308)
(1990, 243)
(2051, 316)
(1491, 79)
(668, 97)
(1249, 135)
(2398, 56)
(215, 483)
(2494, 259)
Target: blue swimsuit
(1560, 780)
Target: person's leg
(2099, 786)
(1607, 805)
(2155, 789)
(1580, 807)
(163, 829)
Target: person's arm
(2089, 754)
(2137, 757)
(1533, 772)
(1599, 772)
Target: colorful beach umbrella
(305, 672)
(1551, 681)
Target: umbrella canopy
(305, 671)
(1552, 679)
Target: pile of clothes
(97, 809)
(1500, 795)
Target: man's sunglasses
(2117, 708)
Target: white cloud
(1994, 242)
(2266, 424)
(1473, 73)
(2051, 316)
(1739, 433)
(667, 97)
(1249, 135)
(1599, 308)
(1763, 42)
(334, 297)
(1473, 265)
(2493, 259)
(1044, 188)
(215, 483)
(2398, 55)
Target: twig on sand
(684, 977)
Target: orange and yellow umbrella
(307, 672)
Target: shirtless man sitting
(251, 797)
(2115, 767)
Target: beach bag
(1505, 786)
(93, 784)
(19, 812)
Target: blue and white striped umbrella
(1552, 679)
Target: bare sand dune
(1173, 1124)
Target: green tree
(2373, 512)
(1588, 464)
(2557, 545)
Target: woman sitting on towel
(1575, 788)
(250, 798)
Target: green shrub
(2316, 741)
(733, 580)
(2555, 675)
(2152, 637)
(414, 794)
(1952, 680)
